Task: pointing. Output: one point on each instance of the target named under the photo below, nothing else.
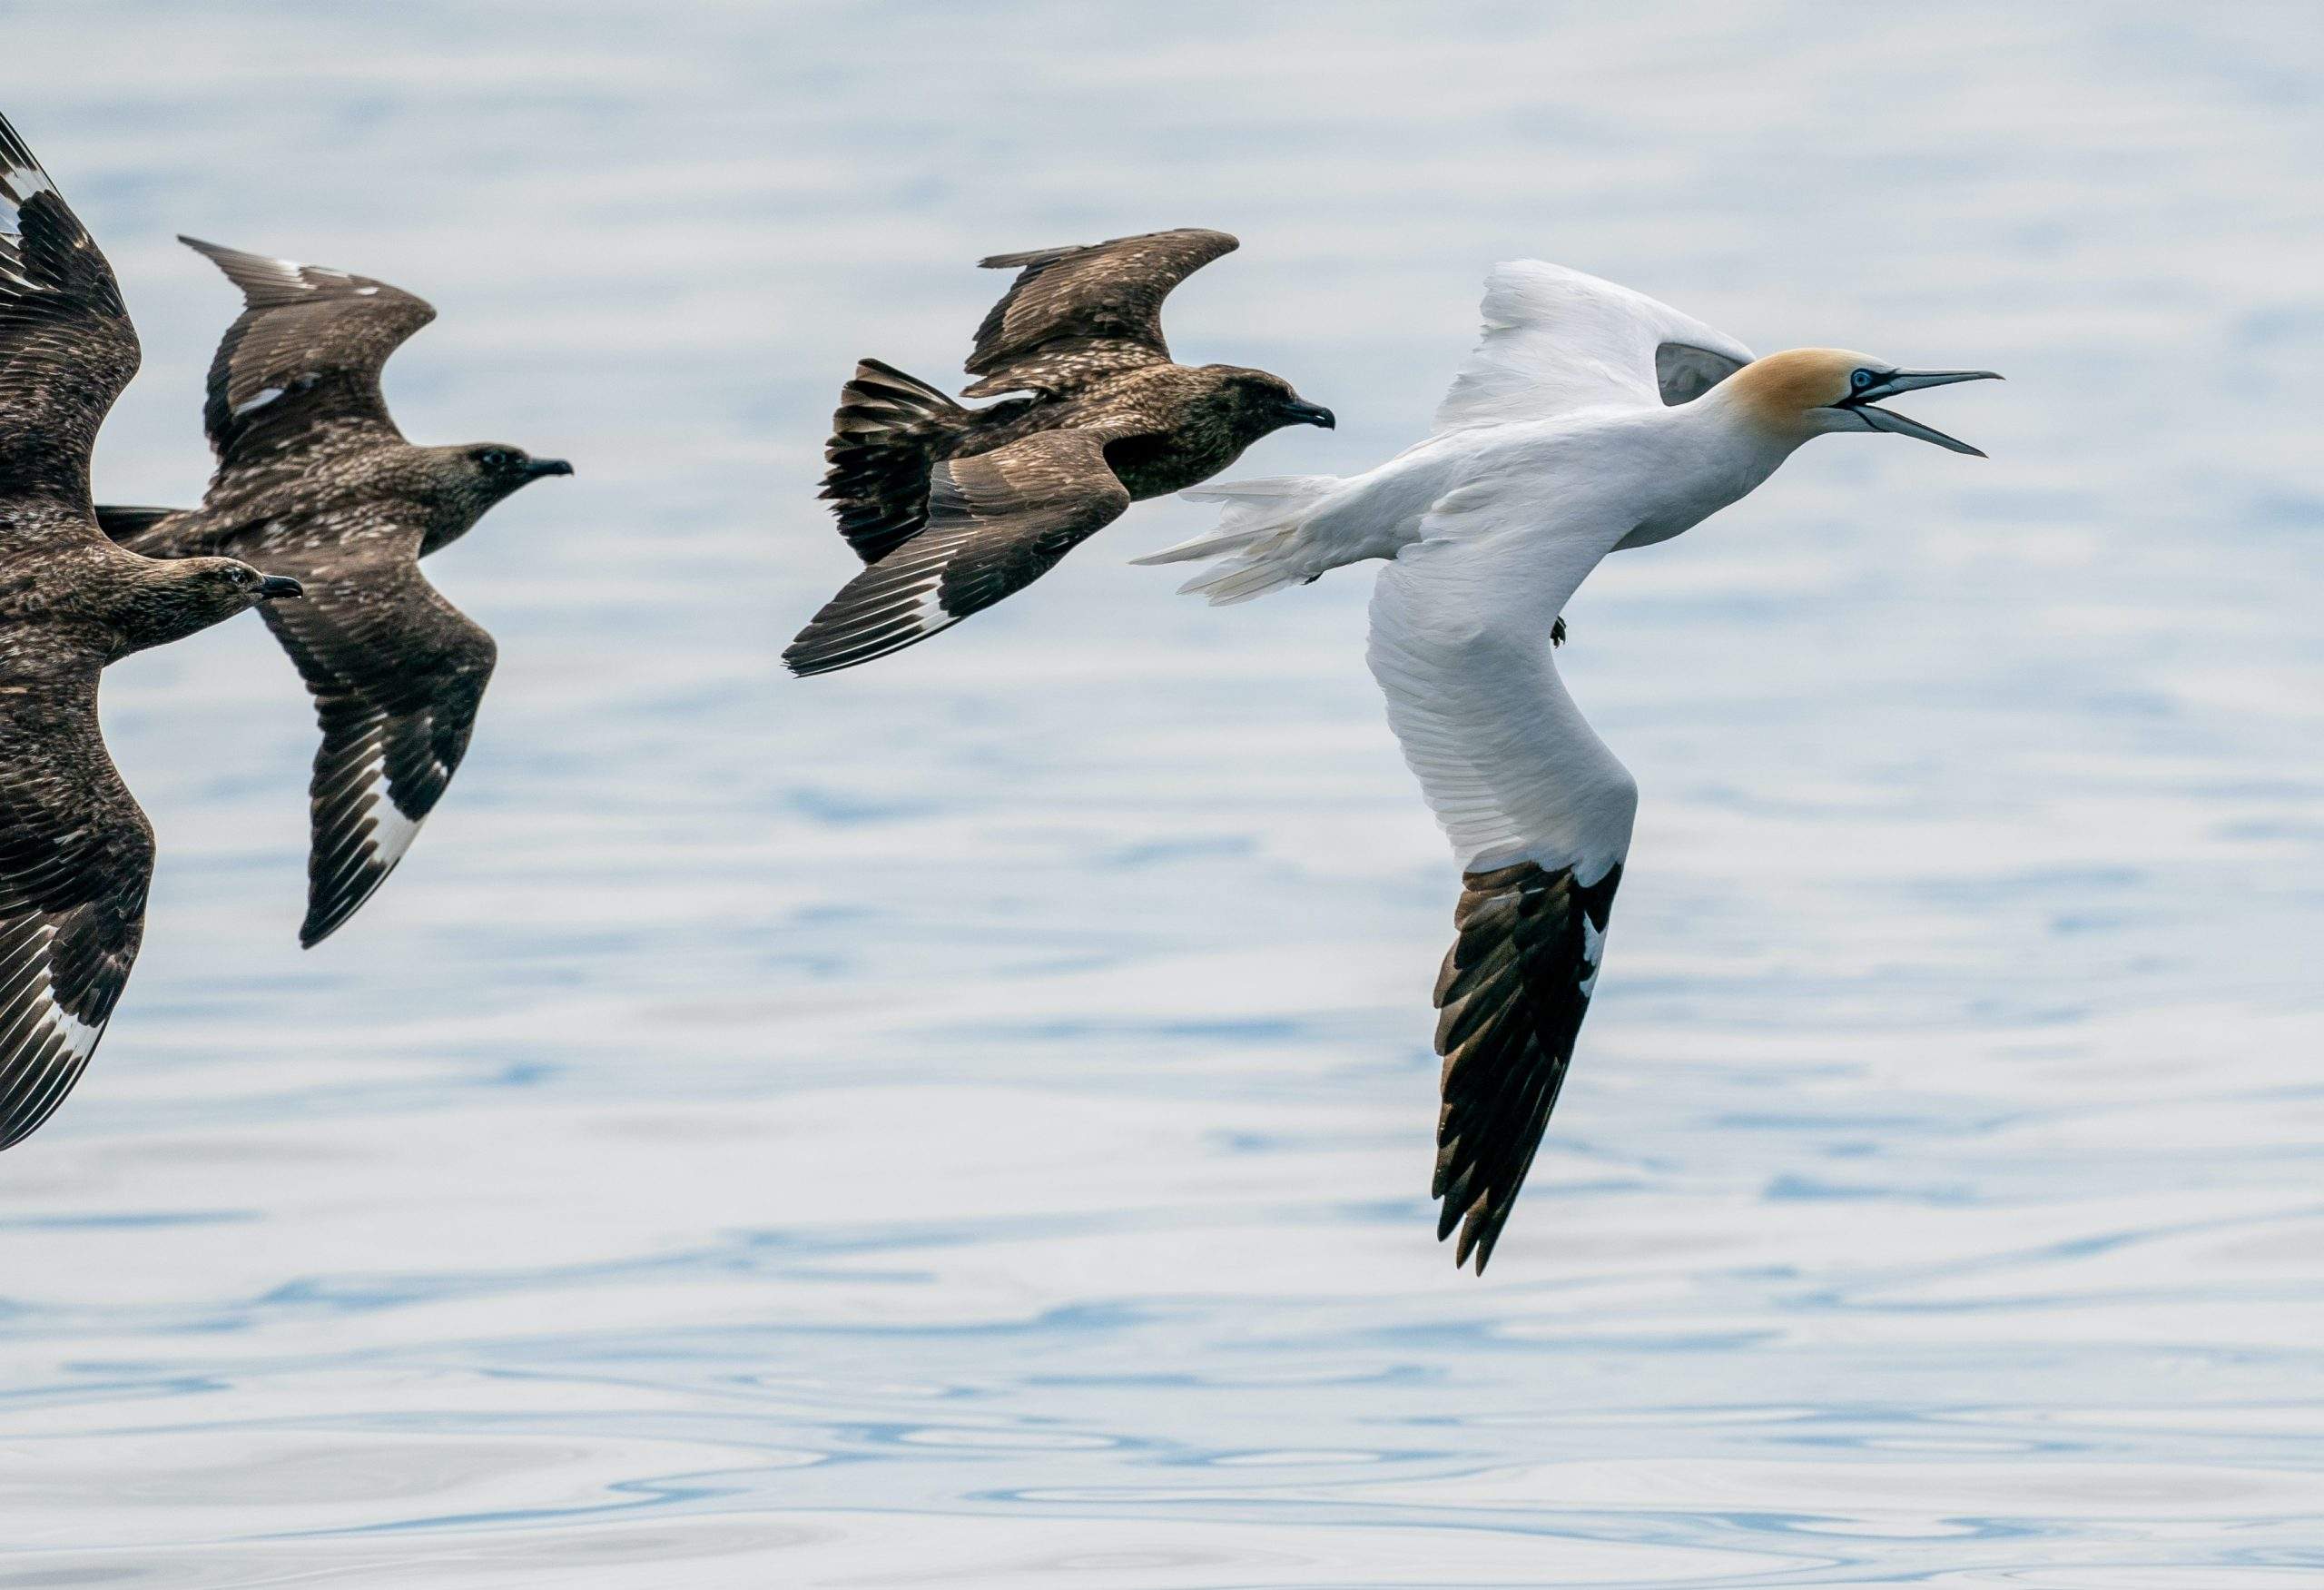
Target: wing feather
(66, 347)
(1074, 315)
(299, 370)
(1556, 339)
(77, 856)
(996, 522)
(1538, 811)
(397, 674)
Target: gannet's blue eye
(1861, 379)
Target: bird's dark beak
(541, 469)
(1860, 403)
(1296, 412)
(279, 585)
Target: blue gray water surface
(967, 1121)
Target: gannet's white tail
(1264, 539)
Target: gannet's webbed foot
(1557, 631)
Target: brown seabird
(955, 508)
(77, 853)
(314, 479)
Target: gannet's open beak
(1909, 380)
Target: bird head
(1808, 391)
(496, 469)
(231, 585)
(468, 481)
(178, 597)
(1265, 402)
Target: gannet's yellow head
(1807, 391)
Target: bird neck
(1711, 453)
(1734, 438)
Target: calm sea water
(967, 1121)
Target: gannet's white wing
(1538, 811)
(1557, 339)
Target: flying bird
(77, 853)
(955, 508)
(1590, 419)
(314, 479)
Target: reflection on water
(966, 1123)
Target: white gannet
(1589, 419)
